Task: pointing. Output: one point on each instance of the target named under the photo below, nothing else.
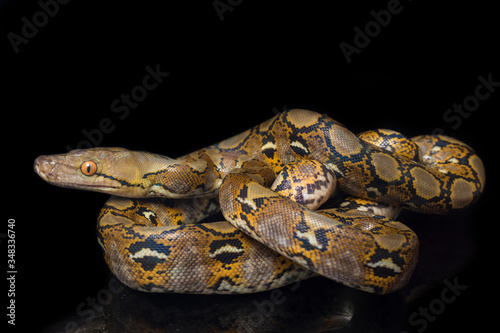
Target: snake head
(115, 171)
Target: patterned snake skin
(268, 181)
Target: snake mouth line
(55, 180)
(81, 186)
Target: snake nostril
(43, 167)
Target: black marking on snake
(259, 202)
(122, 182)
(316, 186)
(285, 183)
(246, 208)
(298, 144)
(218, 284)
(304, 243)
(299, 197)
(149, 262)
(143, 211)
(123, 213)
(174, 230)
(377, 229)
(342, 219)
(382, 254)
(149, 287)
(214, 232)
(269, 151)
(337, 159)
(386, 143)
(321, 238)
(243, 192)
(248, 224)
(128, 231)
(291, 278)
(302, 225)
(231, 250)
(126, 209)
(181, 186)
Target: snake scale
(268, 182)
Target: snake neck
(194, 175)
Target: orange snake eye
(89, 168)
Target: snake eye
(89, 168)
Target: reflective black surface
(439, 290)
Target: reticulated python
(268, 181)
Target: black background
(225, 76)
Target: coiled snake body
(268, 181)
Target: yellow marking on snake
(386, 263)
(148, 214)
(268, 145)
(148, 253)
(225, 249)
(299, 145)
